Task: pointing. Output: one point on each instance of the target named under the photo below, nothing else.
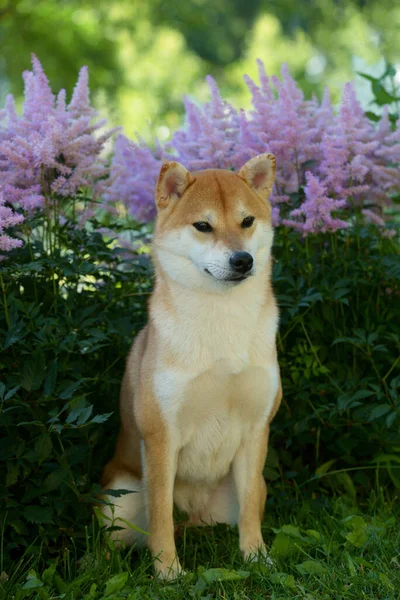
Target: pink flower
(51, 148)
(315, 213)
(133, 178)
(8, 218)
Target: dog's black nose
(241, 261)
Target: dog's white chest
(222, 381)
(220, 409)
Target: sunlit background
(144, 55)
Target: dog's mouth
(234, 279)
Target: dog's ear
(173, 180)
(259, 174)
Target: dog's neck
(199, 328)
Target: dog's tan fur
(202, 384)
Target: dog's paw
(169, 571)
(258, 554)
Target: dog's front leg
(160, 468)
(251, 490)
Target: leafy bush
(339, 352)
(66, 323)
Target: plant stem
(3, 289)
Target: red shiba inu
(202, 382)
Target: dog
(202, 381)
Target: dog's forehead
(214, 194)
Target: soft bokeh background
(143, 55)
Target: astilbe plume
(133, 177)
(50, 150)
(316, 210)
(326, 162)
(211, 136)
(283, 123)
(8, 218)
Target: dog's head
(214, 227)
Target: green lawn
(322, 549)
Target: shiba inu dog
(202, 382)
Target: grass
(322, 549)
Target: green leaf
(357, 536)
(381, 95)
(372, 116)
(33, 372)
(48, 574)
(379, 411)
(344, 480)
(325, 467)
(116, 584)
(79, 408)
(61, 586)
(292, 531)
(70, 389)
(270, 474)
(360, 394)
(32, 582)
(388, 458)
(272, 458)
(43, 447)
(391, 418)
(11, 393)
(101, 418)
(14, 334)
(19, 527)
(224, 575)
(84, 415)
(54, 480)
(283, 546)
(337, 294)
(12, 473)
(315, 535)
(366, 76)
(283, 579)
(38, 514)
(311, 567)
(51, 377)
(211, 575)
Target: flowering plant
(331, 166)
(48, 153)
(327, 164)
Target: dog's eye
(203, 226)
(247, 222)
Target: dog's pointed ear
(173, 180)
(259, 174)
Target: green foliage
(28, 26)
(339, 353)
(328, 553)
(67, 320)
(216, 31)
(385, 92)
(132, 47)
